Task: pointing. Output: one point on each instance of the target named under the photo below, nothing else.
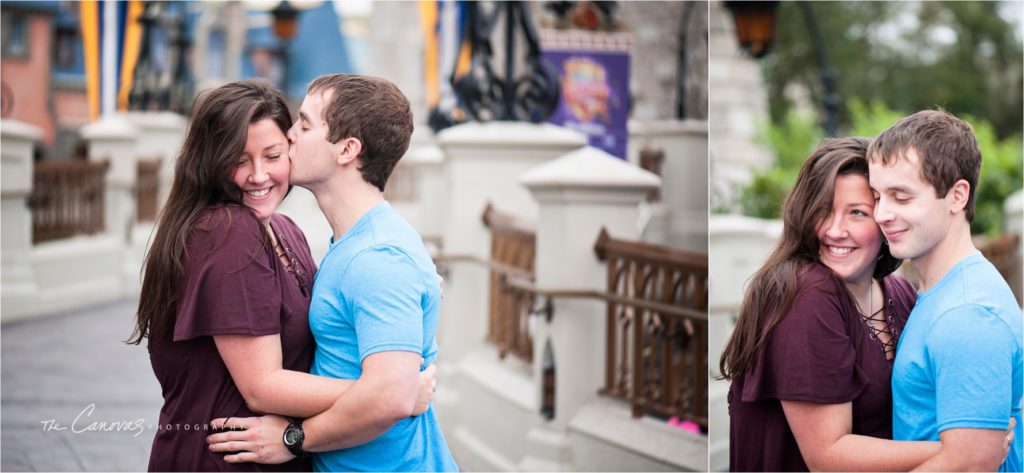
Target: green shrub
(791, 142)
(1002, 170)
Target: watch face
(291, 436)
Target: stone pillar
(739, 103)
(427, 160)
(739, 246)
(113, 138)
(481, 163)
(680, 219)
(1013, 222)
(160, 137)
(17, 142)
(579, 194)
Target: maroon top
(234, 284)
(812, 356)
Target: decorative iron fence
(146, 188)
(657, 315)
(657, 328)
(513, 247)
(67, 199)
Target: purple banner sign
(595, 96)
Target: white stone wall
(490, 408)
(17, 142)
(69, 273)
(396, 52)
(680, 219)
(737, 107)
(739, 246)
(76, 272)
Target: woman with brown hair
(227, 283)
(811, 356)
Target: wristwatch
(293, 438)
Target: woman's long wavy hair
(215, 140)
(774, 287)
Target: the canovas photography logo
(85, 422)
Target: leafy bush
(1002, 169)
(791, 141)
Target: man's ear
(348, 150)
(958, 195)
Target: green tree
(794, 137)
(962, 56)
(791, 141)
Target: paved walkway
(74, 397)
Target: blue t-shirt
(377, 290)
(959, 360)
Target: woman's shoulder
(283, 221)
(816, 279)
(226, 218)
(226, 224)
(817, 296)
(285, 225)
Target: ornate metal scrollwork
(532, 96)
(158, 85)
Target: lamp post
(157, 85)
(146, 77)
(285, 26)
(532, 96)
(681, 64)
(828, 76)
(182, 87)
(755, 29)
(755, 25)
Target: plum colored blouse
(234, 284)
(815, 354)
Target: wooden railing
(652, 160)
(657, 315)
(146, 187)
(67, 198)
(1002, 252)
(401, 186)
(513, 246)
(657, 328)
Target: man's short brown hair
(944, 144)
(374, 111)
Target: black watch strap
(294, 437)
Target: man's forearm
(363, 413)
(847, 454)
(296, 394)
(944, 461)
(949, 461)
(968, 450)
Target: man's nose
(882, 213)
